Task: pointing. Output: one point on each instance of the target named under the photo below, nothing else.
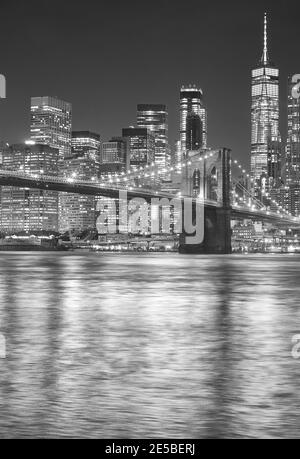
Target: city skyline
(91, 112)
(149, 222)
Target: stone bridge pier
(208, 178)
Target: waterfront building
(51, 123)
(293, 138)
(86, 143)
(115, 155)
(194, 132)
(177, 156)
(191, 101)
(24, 209)
(264, 111)
(154, 117)
(78, 212)
(275, 166)
(141, 144)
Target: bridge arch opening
(196, 182)
(213, 184)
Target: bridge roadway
(52, 183)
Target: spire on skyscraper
(265, 56)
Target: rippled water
(149, 346)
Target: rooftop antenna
(265, 57)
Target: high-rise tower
(154, 117)
(51, 123)
(191, 101)
(264, 110)
(293, 139)
(292, 164)
(194, 132)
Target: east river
(149, 346)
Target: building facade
(154, 117)
(51, 124)
(194, 132)
(78, 212)
(264, 111)
(141, 144)
(86, 143)
(115, 153)
(191, 102)
(293, 138)
(26, 210)
(292, 165)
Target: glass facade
(51, 123)
(275, 163)
(154, 117)
(194, 132)
(191, 101)
(293, 138)
(77, 212)
(116, 152)
(264, 112)
(28, 209)
(141, 143)
(86, 143)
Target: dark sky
(107, 56)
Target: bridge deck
(51, 183)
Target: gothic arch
(213, 184)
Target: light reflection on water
(149, 346)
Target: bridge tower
(208, 178)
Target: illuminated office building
(86, 143)
(274, 171)
(177, 155)
(3, 145)
(77, 212)
(141, 144)
(115, 155)
(293, 139)
(115, 158)
(194, 132)
(51, 123)
(154, 117)
(28, 209)
(264, 111)
(292, 173)
(191, 101)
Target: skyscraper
(293, 138)
(78, 212)
(115, 155)
(191, 101)
(51, 123)
(293, 151)
(194, 132)
(86, 143)
(29, 210)
(264, 111)
(141, 144)
(154, 117)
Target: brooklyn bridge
(206, 177)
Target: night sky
(107, 56)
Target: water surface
(144, 345)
